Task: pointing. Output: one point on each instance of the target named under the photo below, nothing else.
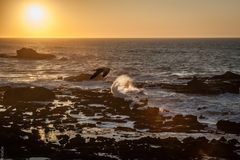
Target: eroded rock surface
(24, 94)
(78, 124)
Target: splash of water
(123, 86)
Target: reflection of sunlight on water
(49, 136)
(2, 109)
(42, 134)
(94, 131)
(84, 119)
(58, 103)
(28, 113)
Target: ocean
(147, 61)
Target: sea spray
(123, 87)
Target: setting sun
(35, 14)
(36, 19)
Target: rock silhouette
(226, 76)
(14, 95)
(103, 70)
(228, 126)
(82, 77)
(29, 54)
(218, 84)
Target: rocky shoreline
(58, 127)
(226, 83)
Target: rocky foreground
(90, 124)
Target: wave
(123, 86)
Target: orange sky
(120, 18)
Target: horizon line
(217, 37)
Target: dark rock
(63, 139)
(222, 148)
(13, 95)
(228, 82)
(182, 88)
(28, 53)
(228, 126)
(19, 144)
(127, 129)
(201, 108)
(98, 71)
(6, 56)
(201, 117)
(82, 77)
(226, 76)
(196, 83)
(182, 123)
(76, 141)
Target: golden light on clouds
(125, 18)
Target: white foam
(123, 86)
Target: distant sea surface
(145, 60)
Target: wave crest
(124, 86)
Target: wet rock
(13, 95)
(4, 88)
(6, 56)
(75, 142)
(201, 117)
(30, 54)
(82, 77)
(63, 139)
(233, 142)
(219, 84)
(201, 108)
(228, 126)
(222, 148)
(56, 118)
(127, 129)
(183, 88)
(226, 76)
(195, 83)
(79, 147)
(192, 145)
(196, 86)
(181, 123)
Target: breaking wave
(123, 86)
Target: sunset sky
(119, 18)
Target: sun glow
(115, 19)
(37, 20)
(36, 15)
